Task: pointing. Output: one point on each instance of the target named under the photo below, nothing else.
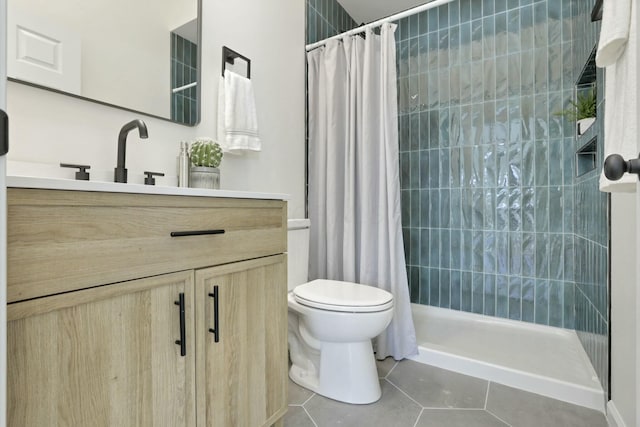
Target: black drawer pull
(182, 342)
(195, 233)
(216, 327)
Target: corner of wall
(623, 307)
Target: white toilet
(331, 325)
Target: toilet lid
(343, 296)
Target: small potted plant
(206, 156)
(582, 111)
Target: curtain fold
(354, 184)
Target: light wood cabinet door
(242, 378)
(105, 356)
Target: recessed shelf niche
(586, 157)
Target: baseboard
(613, 416)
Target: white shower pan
(540, 359)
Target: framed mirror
(140, 55)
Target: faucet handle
(149, 177)
(81, 174)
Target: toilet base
(347, 373)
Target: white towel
(614, 32)
(617, 51)
(237, 118)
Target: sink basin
(134, 177)
(48, 183)
(53, 177)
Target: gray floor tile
(438, 388)
(458, 418)
(522, 409)
(297, 417)
(384, 366)
(393, 409)
(298, 395)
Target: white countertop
(114, 187)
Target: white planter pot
(583, 124)
(203, 177)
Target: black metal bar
(596, 12)
(229, 56)
(182, 342)
(195, 233)
(216, 327)
(4, 133)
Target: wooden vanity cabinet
(92, 343)
(104, 356)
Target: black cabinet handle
(182, 342)
(195, 233)
(216, 327)
(615, 166)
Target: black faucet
(120, 171)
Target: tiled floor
(418, 395)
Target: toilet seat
(343, 296)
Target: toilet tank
(298, 252)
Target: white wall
(624, 313)
(51, 128)
(272, 34)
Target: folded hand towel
(237, 118)
(614, 33)
(619, 55)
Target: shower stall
(506, 234)
(501, 215)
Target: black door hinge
(4, 133)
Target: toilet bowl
(331, 325)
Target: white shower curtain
(354, 185)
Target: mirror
(137, 55)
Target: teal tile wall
(495, 220)
(487, 168)
(184, 70)
(326, 18)
(591, 249)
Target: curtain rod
(397, 16)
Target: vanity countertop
(113, 187)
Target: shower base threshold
(540, 359)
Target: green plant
(583, 108)
(205, 152)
